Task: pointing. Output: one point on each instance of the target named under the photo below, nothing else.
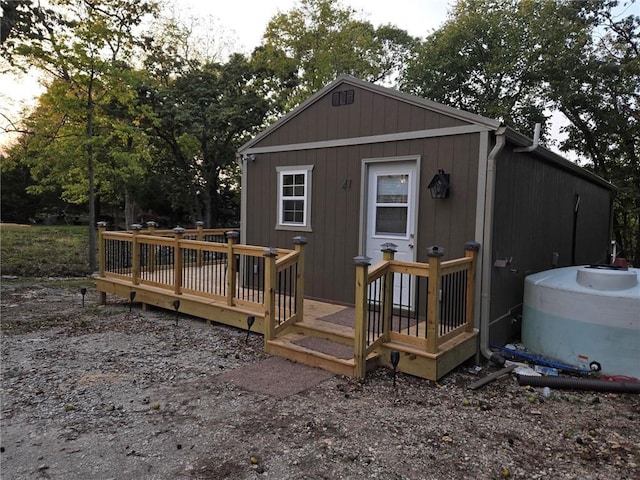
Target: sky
(243, 23)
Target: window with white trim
(294, 198)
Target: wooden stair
(330, 346)
(327, 345)
(432, 366)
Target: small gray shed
(350, 169)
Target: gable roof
(489, 123)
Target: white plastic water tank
(585, 316)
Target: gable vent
(344, 97)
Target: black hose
(570, 383)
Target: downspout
(485, 287)
(536, 141)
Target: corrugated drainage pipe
(568, 383)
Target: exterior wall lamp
(439, 185)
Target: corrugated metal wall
(534, 217)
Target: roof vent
(344, 97)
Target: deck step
(327, 330)
(415, 350)
(289, 347)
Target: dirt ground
(104, 393)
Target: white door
(391, 217)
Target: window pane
(287, 191)
(391, 221)
(299, 191)
(287, 179)
(393, 189)
(299, 179)
(293, 211)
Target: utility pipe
(485, 285)
(569, 383)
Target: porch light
(439, 185)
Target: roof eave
(521, 140)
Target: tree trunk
(90, 174)
(129, 208)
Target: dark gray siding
(370, 114)
(335, 211)
(533, 218)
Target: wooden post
(434, 253)
(388, 254)
(135, 253)
(151, 252)
(270, 279)
(102, 257)
(177, 260)
(200, 238)
(471, 251)
(300, 246)
(232, 239)
(360, 341)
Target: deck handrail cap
(299, 240)
(389, 247)
(472, 246)
(136, 226)
(361, 260)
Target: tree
(200, 119)
(600, 98)
(309, 46)
(519, 60)
(486, 59)
(89, 51)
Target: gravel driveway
(104, 393)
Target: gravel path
(101, 393)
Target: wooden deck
(229, 283)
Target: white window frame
(305, 170)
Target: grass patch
(45, 251)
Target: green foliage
(307, 47)
(486, 59)
(40, 251)
(198, 121)
(516, 60)
(600, 99)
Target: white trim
(243, 202)
(364, 187)
(305, 170)
(390, 137)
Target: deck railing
(209, 263)
(420, 304)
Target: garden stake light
(176, 306)
(395, 358)
(250, 320)
(83, 292)
(132, 295)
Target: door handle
(411, 245)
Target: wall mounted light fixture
(440, 184)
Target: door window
(392, 204)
